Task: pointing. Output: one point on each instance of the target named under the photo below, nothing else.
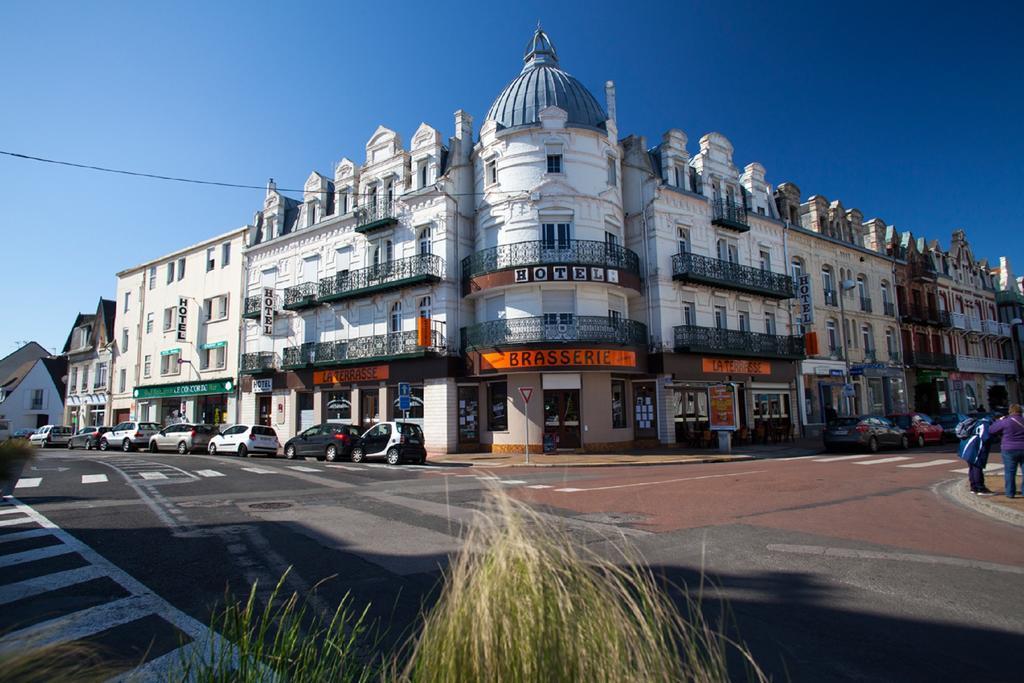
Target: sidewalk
(998, 506)
(652, 456)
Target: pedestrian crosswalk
(882, 459)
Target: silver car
(183, 438)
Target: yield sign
(526, 393)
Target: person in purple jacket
(1011, 428)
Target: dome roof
(542, 84)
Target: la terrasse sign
(221, 386)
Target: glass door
(369, 414)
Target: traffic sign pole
(526, 393)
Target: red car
(918, 427)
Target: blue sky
(909, 113)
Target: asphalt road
(849, 567)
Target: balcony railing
(300, 296)
(539, 253)
(729, 215)
(865, 304)
(889, 308)
(376, 215)
(994, 366)
(925, 315)
(390, 346)
(830, 298)
(252, 307)
(695, 268)
(259, 361)
(296, 357)
(835, 353)
(870, 356)
(533, 330)
(928, 359)
(402, 272)
(894, 357)
(695, 339)
(995, 327)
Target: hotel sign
(805, 300)
(731, 366)
(267, 312)
(182, 318)
(345, 375)
(527, 359)
(566, 273)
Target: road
(834, 567)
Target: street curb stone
(957, 491)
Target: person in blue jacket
(974, 445)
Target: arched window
(426, 245)
(425, 307)
(395, 321)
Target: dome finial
(540, 50)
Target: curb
(955, 491)
(693, 461)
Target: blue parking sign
(404, 396)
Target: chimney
(464, 127)
(609, 95)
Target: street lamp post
(845, 286)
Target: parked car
(330, 441)
(128, 435)
(948, 422)
(397, 442)
(183, 438)
(919, 428)
(23, 433)
(868, 431)
(87, 438)
(49, 436)
(245, 440)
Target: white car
(244, 440)
(51, 435)
(129, 435)
(396, 442)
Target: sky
(908, 111)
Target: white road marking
(94, 478)
(209, 473)
(14, 522)
(19, 535)
(664, 481)
(300, 468)
(30, 483)
(33, 555)
(44, 584)
(513, 482)
(539, 486)
(837, 458)
(419, 467)
(882, 461)
(152, 475)
(353, 468)
(988, 470)
(258, 470)
(930, 463)
(9, 511)
(852, 553)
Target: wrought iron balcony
(894, 357)
(712, 271)
(296, 357)
(377, 215)
(889, 308)
(830, 298)
(594, 329)
(729, 215)
(696, 339)
(539, 253)
(928, 359)
(870, 356)
(917, 313)
(865, 304)
(300, 296)
(389, 275)
(834, 353)
(379, 346)
(252, 307)
(258, 361)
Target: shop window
(618, 404)
(338, 406)
(469, 428)
(497, 407)
(415, 413)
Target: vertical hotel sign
(182, 318)
(267, 312)
(803, 297)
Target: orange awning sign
(734, 366)
(557, 358)
(365, 374)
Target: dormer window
(343, 202)
(310, 214)
(677, 177)
(491, 172)
(424, 168)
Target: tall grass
(61, 662)
(14, 454)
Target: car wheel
(243, 452)
(126, 445)
(88, 445)
(422, 461)
(70, 447)
(289, 452)
(873, 445)
(358, 454)
(104, 445)
(153, 447)
(182, 448)
(212, 449)
(920, 440)
(331, 454)
(394, 457)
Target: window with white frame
(149, 323)
(152, 277)
(684, 240)
(425, 242)
(73, 384)
(727, 251)
(554, 159)
(85, 378)
(616, 307)
(494, 307)
(721, 319)
(765, 260)
(491, 172)
(147, 366)
(169, 363)
(611, 240)
(225, 254)
(890, 340)
(124, 339)
(127, 300)
(343, 202)
(343, 260)
(425, 307)
(37, 399)
(689, 318)
(170, 272)
(169, 318)
(215, 308)
(211, 263)
(556, 235)
(769, 323)
(395, 318)
(796, 267)
(310, 214)
(214, 358)
(122, 380)
(613, 175)
(558, 306)
(181, 269)
(424, 171)
(832, 335)
(677, 177)
(744, 320)
(101, 375)
(868, 337)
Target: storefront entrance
(369, 408)
(562, 417)
(264, 406)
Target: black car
(948, 422)
(87, 438)
(330, 441)
(867, 431)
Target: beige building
(177, 330)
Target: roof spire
(540, 50)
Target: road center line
(665, 481)
(851, 553)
